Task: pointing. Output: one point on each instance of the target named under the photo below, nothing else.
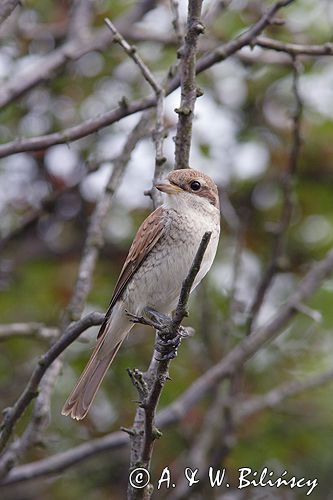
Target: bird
(158, 262)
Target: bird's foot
(160, 321)
(151, 318)
(167, 347)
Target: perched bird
(157, 264)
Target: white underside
(157, 283)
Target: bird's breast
(158, 281)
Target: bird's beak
(168, 188)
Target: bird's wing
(145, 239)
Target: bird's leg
(149, 317)
(167, 345)
(167, 341)
(159, 320)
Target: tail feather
(81, 398)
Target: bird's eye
(195, 185)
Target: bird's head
(188, 183)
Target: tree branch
(274, 397)
(24, 330)
(246, 38)
(250, 345)
(294, 49)
(11, 415)
(62, 461)
(95, 238)
(125, 108)
(39, 421)
(150, 385)
(73, 49)
(6, 8)
(189, 91)
(158, 135)
(288, 180)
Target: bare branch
(11, 415)
(125, 108)
(159, 92)
(144, 431)
(45, 68)
(26, 330)
(246, 38)
(274, 397)
(288, 179)
(294, 49)
(189, 91)
(174, 5)
(79, 26)
(77, 132)
(95, 238)
(250, 345)
(132, 53)
(6, 8)
(62, 461)
(39, 421)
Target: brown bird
(157, 264)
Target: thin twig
(126, 108)
(189, 91)
(280, 235)
(39, 421)
(144, 431)
(294, 49)
(174, 5)
(115, 440)
(133, 54)
(73, 49)
(251, 344)
(158, 135)
(95, 238)
(11, 415)
(26, 330)
(84, 279)
(6, 8)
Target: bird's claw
(167, 347)
(149, 317)
(159, 319)
(134, 318)
(167, 356)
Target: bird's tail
(81, 398)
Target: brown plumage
(79, 401)
(157, 263)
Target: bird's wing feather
(149, 233)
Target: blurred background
(242, 137)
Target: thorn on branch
(183, 111)
(198, 28)
(139, 383)
(128, 431)
(123, 103)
